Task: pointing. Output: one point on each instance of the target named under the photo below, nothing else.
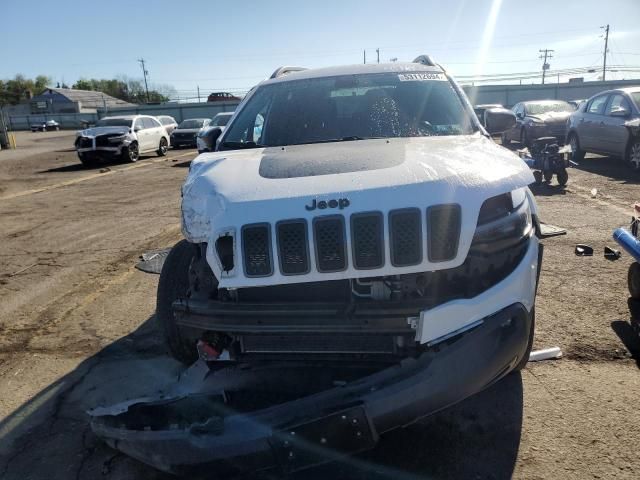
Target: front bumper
(183, 141)
(538, 131)
(320, 427)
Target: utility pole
(378, 52)
(606, 48)
(545, 66)
(145, 72)
(198, 86)
(364, 56)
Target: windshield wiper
(239, 145)
(349, 138)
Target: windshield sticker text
(420, 77)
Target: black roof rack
(425, 60)
(282, 71)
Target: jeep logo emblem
(340, 203)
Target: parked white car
(168, 122)
(125, 137)
(206, 141)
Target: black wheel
(131, 153)
(633, 279)
(163, 147)
(548, 176)
(525, 358)
(524, 138)
(577, 154)
(174, 284)
(563, 177)
(633, 155)
(538, 177)
(87, 160)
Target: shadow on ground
(629, 332)
(77, 167)
(49, 437)
(610, 167)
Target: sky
(230, 46)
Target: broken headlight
(504, 221)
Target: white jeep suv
(368, 256)
(125, 137)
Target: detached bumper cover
(319, 427)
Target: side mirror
(619, 112)
(213, 134)
(498, 120)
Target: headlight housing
(117, 139)
(504, 221)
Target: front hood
(225, 190)
(187, 130)
(95, 131)
(552, 117)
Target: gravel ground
(76, 329)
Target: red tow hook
(207, 352)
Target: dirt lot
(77, 330)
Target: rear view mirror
(498, 120)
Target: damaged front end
(288, 417)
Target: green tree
(20, 88)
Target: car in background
(124, 137)
(480, 109)
(538, 118)
(206, 141)
(187, 131)
(576, 103)
(600, 126)
(222, 97)
(169, 123)
(47, 126)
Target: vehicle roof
(165, 116)
(223, 114)
(529, 102)
(198, 118)
(127, 117)
(359, 69)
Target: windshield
(195, 123)
(353, 107)
(166, 120)
(220, 120)
(636, 98)
(546, 107)
(114, 122)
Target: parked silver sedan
(601, 125)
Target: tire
(633, 280)
(633, 155)
(538, 177)
(525, 358)
(163, 147)
(577, 154)
(563, 177)
(174, 284)
(131, 153)
(547, 175)
(524, 138)
(87, 161)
